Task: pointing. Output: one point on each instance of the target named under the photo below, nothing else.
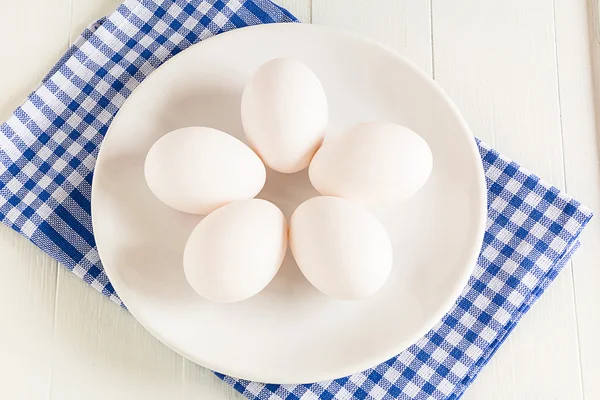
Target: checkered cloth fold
(48, 149)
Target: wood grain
(593, 27)
(578, 62)
(403, 25)
(201, 383)
(27, 293)
(497, 60)
(301, 9)
(36, 33)
(101, 351)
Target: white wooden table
(520, 72)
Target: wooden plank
(580, 133)
(201, 383)
(403, 25)
(496, 59)
(36, 33)
(593, 24)
(301, 9)
(27, 293)
(102, 352)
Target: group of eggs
(238, 248)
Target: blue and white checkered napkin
(48, 149)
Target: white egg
(375, 163)
(285, 114)
(198, 169)
(341, 248)
(235, 251)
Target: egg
(197, 169)
(341, 248)
(284, 113)
(374, 163)
(235, 251)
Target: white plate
(289, 333)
